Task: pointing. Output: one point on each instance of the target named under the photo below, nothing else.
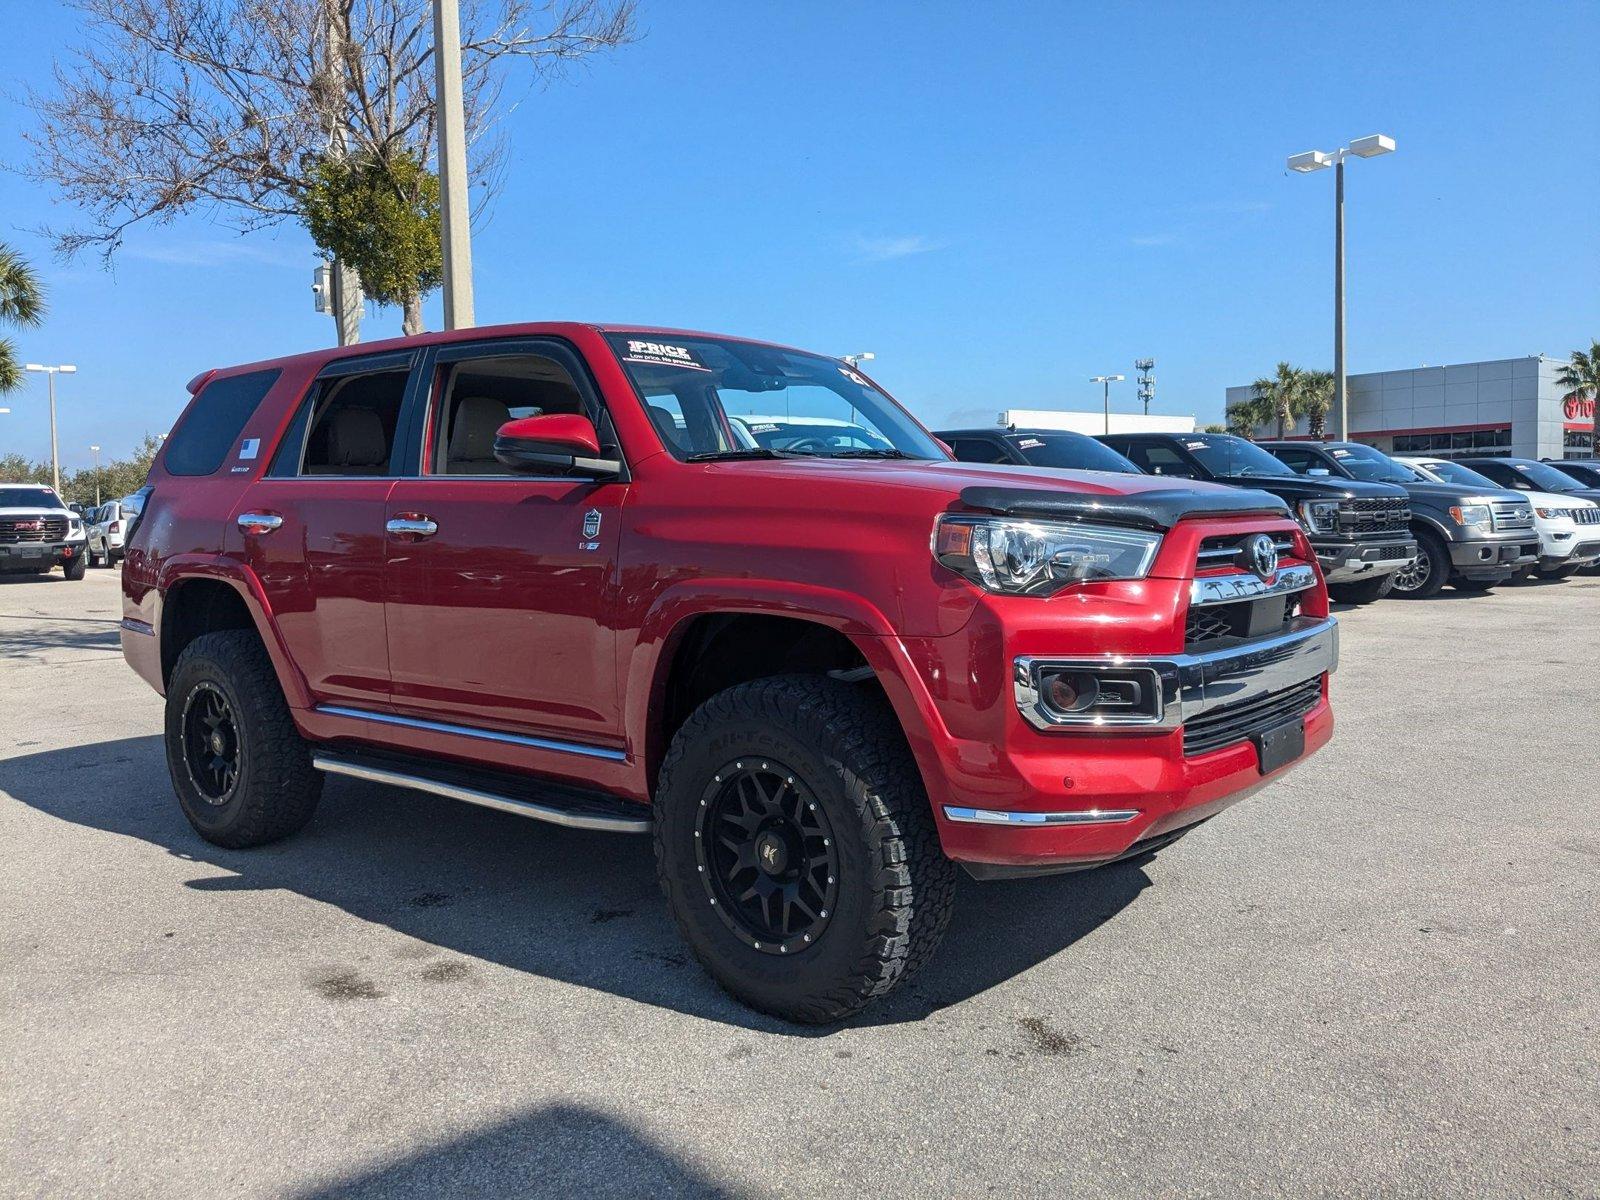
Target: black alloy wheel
(211, 743)
(767, 856)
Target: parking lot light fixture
(96, 450)
(55, 458)
(1370, 146)
(1107, 381)
(852, 360)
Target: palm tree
(1316, 398)
(1245, 416)
(21, 304)
(1581, 378)
(1281, 395)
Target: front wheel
(1475, 585)
(1427, 574)
(242, 773)
(1364, 592)
(797, 849)
(75, 566)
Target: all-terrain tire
(75, 566)
(274, 788)
(844, 749)
(1364, 592)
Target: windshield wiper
(744, 453)
(870, 453)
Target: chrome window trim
(1014, 818)
(1187, 685)
(1225, 589)
(472, 731)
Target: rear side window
(215, 419)
(346, 428)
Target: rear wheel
(241, 770)
(797, 849)
(1428, 573)
(94, 556)
(1364, 592)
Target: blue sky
(999, 200)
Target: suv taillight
(114, 527)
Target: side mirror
(554, 443)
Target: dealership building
(1506, 406)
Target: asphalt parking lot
(1379, 976)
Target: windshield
(1224, 454)
(1070, 451)
(1546, 478)
(1454, 472)
(719, 398)
(28, 497)
(1372, 465)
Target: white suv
(107, 526)
(1568, 526)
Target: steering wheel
(809, 445)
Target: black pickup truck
(1360, 531)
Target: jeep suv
(1471, 537)
(38, 532)
(1361, 531)
(537, 568)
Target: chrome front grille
(14, 530)
(1512, 515)
(1226, 550)
(1586, 516)
(1374, 516)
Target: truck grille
(1511, 515)
(1225, 550)
(1237, 722)
(32, 529)
(1213, 622)
(1374, 516)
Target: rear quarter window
(204, 437)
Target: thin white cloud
(219, 253)
(883, 249)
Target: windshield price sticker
(858, 380)
(663, 354)
(1030, 443)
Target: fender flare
(848, 613)
(180, 569)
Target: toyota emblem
(1263, 554)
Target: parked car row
(1380, 525)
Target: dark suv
(1530, 475)
(1361, 531)
(1466, 536)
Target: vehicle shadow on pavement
(570, 905)
(22, 636)
(560, 1150)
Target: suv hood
(1317, 487)
(34, 510)
(1554, 499)
(1446, 494)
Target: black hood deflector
(1158, 510)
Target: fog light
(1069, 692)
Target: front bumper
(1079, 797)
(25, 556)
(1483, 558)
(1347, 562)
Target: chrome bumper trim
(1186, 685)
(993, 816)
(510, 804)
(1225, 589)
(472, 731)
(131, 625)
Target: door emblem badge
(591, 523)
(1263, 556)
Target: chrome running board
(582, 812)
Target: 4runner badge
(591, 527)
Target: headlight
(1319, 516)
(1035, 558)
(1470, 514)
(1550, 514)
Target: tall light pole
(1107, 380)
(96, 450)
(454, 213)
(1317, 160)
(55, 459)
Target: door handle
(259, 522)
(413, 526)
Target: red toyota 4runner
(728, 592)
